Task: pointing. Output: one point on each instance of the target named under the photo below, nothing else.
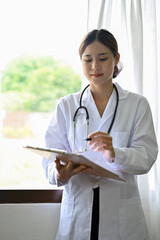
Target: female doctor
(120, 133)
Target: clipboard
(65, 157)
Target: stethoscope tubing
(80, 106)
(87, 114)
(115, 111)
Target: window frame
(30, 196)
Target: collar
(87, 94)
(122, 93)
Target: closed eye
(88, 60)
(103, 59)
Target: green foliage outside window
(35, 83)
(30, 88)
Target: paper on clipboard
(77, 159)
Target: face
(98, 63)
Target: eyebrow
(99, 54)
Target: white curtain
(136, 26)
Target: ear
(117, 59)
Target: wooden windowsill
(30, 196)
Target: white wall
(28, 221)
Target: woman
(120, 134)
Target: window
(39, 47)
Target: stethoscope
(87, 116)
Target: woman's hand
(65, 172)
(102, 142)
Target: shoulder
(131, 97)
(70, 97)
(69, 101)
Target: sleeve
(141, 153)
(55, 137)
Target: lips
(97, 74)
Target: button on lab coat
(134, 141)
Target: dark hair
(105, 37)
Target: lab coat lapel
(108, 113)
(110, 108)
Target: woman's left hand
(102, 142)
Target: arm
(139, 153)
(142, 151)
(56, 137)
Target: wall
(29, 221)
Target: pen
(87, 139)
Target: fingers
(66, 171)
(58, 164)
(87, 170)
(71, 168)
(82, 169)
(99, 137)
(101, 141)
(97, 134)
(77, 168)
(68, 167)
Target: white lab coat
(134, 141)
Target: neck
(101, 97)
(101, 93)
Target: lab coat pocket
(120, 139)
(66, 216)
(132, 223)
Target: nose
(95, 65)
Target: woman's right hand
(65, 172)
